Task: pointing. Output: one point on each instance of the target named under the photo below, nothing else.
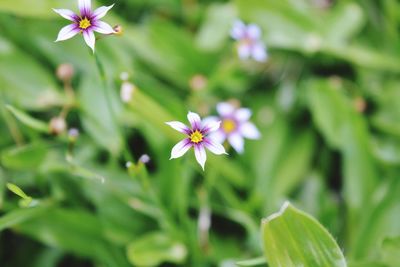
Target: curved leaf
(293, 238)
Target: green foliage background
(327, 103)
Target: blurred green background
(327, 102)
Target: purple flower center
(84, 23)
(196, 137)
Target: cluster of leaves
(326, 102)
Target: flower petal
(238, 30)
(181, 148)
(85, 7)
(201, 155)
(242, 114)
(237, 142)
(194, 120)
(102, 27)
(225, 109)
(66, 13)
(90, 39)
(67, 32)
(211, 127)
(101, 11)
(253, 31)
(250, 131)
(258, 52)
(244, 51)
(218, 137)
(179, 126)
(214, 147)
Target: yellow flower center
(228, 125)
(84, 23)
(196, 137)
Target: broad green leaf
(64, 229)
(28, 157)
(30, 87)
(28, 120)
(293, 238)
(97, 118)
(154, 249)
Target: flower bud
(198, 82)
(73, 134)
(57, 125)
(118, 30)
(65, 72)
(127, 90)
(144, 159)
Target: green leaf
(30, 87)
(154, 249)
(28, 157)
(261, 261)
(20, 215)
(293, 238)
(217, 25)
(28, 120)
(18, 191)
(391, 251)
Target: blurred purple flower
(86, 23)
(249, 41)
(197, 138)
(235, 126)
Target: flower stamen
(196, 137)
(228, 125)
(84, 23)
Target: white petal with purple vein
(194, 120)
(218, 137)
(243, 114)
(67, 32)
(102, 27)
(250, 131)
(201, 155)
(180, 149)
(101, 11)
(211, 126)
(85, 6)
(214, 147)
(179, 126)
(90, 39)
(225, 109)
(66, 13)
(237, 142)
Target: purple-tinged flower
(197, 137)
(235, 126)
(249, 43)
(86, 23)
